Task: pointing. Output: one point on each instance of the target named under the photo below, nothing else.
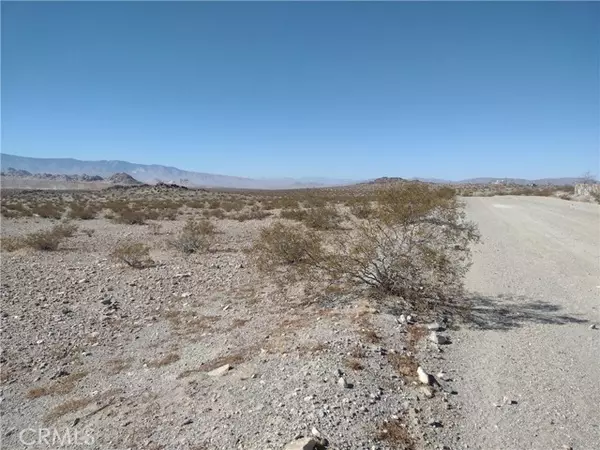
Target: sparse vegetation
(415, 245)
(136, 255)
(82, 211)
(195, 237)
(48, 240)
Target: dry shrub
(51, 239)
(286, 245)
(48, 210)
(362, 209)
(12, 243)
(323, 218)
(415, 245)
(216, 213)
(154, 227)
(136, 255)
(195, 237)
(253, 214)
(82, 211)
(293, 214)
(132, 217)
(319, 218)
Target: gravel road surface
(528, 367)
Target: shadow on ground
(507, 312)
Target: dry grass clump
(61, 386)
(11, 243)
(396, 434)
(354, 364)
(255, 213)
(136, 255)
(195, 237)
(164, 361)
(414, 245)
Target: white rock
(316, 433)
(426, 378)
(438, 338)
(185, 295)
(426, 391)
(593, 326)
(219, 371)
(342, 382)
(435, 326)
(301, 444)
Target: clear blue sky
(343, 90)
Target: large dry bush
(195, 237)
(415, 244)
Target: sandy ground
(536, 285)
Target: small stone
(59, 373)
(301, 444)
(219, 371)
(438, 338)
(185, 295)
(308, 398)
(187, 422)
(434, 423)
(342, 382)
(593, 326)
(316, 433)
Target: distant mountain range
(166, 174)
(155, 173)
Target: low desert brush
(136, 255)
(195, 237)
(414, 245)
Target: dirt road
(527, 370)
